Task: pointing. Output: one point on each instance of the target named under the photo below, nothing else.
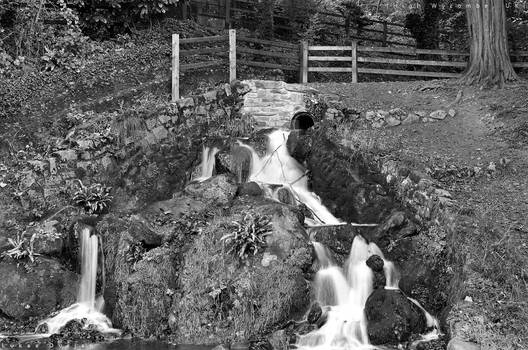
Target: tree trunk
(489, 61)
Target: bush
(248, 236)
(21, 248)
(95, 199)
(105, 18)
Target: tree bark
(489, 61)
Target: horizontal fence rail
(290, 14)
(233, 51)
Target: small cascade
(341, 291)
(88, 307)
(208, 163)
(344, 293)
(278, 167)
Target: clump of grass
(94, 199)
(247, 237)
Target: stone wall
(273, 103)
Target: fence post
(232, 55)
(354, 62)
(384, 33)
(228, 13)
(303, 71)
(175, 67)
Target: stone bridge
(273, 104)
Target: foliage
(94, 199)
(248, 236)
(21, 248)
(316, 27)
(40, 31)
(104, 18)
(135, 253)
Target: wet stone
(375, 262)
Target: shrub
(248, 237)
(21, 248)
(94, 199)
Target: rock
(47, 240)
(219, 189)
(36, 289)
(160, 133)
(336, 238)
(439, 114)
(67, 155)
(392, 318)
(395, 221)
(375, 262)
(370, 115)
(249, 189)
(378, 124)
(164, 119)
(38, 165)
(315, 313)
(397, 113)
(220, 347)
(451, 112)
(381, 114)
(458, 344)
(179, 205)
(186, 102)
(141, 231)
(392, 121)
(267, 259)
(421, 113)
(411, 118)
(210, 276)
(331, 113)
(210, 96)
(279, 340)
(143, 305)
(285, 196)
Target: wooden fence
(293, 13)
(355, 59)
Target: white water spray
(342, 292)
(278, 167)
(208, 163)
(87, 307)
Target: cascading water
(341, 292)
(87, 307)
(278, 167)
(208, 163)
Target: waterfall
(89, 250)
(208, 163)
(278, 167)
(342, 292)
(87, 307)
(345, 293)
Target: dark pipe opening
(302, 121)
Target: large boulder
(392, 318)
(219, 189)
(35, 289)
(225, 299)
(145, 296)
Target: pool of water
(121, 344)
